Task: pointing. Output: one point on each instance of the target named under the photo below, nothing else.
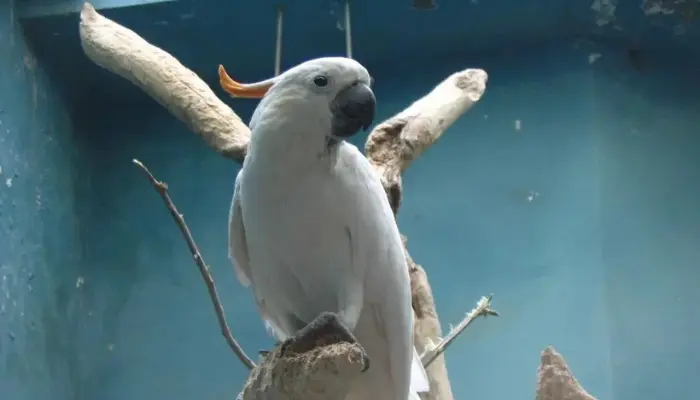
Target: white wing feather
(419, 377)
(389, 287)
(237, 246)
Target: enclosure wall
(40, 249)
(649, 159)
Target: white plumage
(310, 227)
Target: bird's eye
(320, 81)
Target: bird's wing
(388, 282)
(237, 246)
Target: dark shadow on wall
(42, 229)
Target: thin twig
(483, 308)
(162, 189)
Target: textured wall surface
(40, 248)
(568, 191)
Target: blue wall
(40, 241)
(650, 221)
(582, 221)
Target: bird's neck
(290, 152)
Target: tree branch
(395, 143)
(178, 89)
(162, 189)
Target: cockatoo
(310, 227)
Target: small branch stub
(555, 380)
(483, 308)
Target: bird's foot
(325, 330)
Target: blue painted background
(584, 221)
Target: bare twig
(483, 308)
(162, 189)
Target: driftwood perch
(319, 363)
(555, 381)
(315, 365)
(124, 53)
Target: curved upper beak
(353, 108)
(246, 90)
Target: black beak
(353, 108)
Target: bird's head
(325, 99)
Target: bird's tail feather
(419, 378)
(414, 396)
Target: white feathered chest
(306, 230)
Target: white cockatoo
(310, 227)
